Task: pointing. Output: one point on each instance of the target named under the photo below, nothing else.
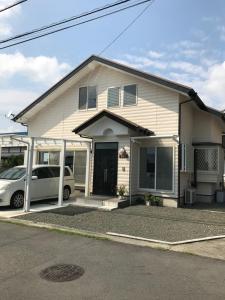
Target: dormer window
(87, 97)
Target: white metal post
(62, 170)
(87, 177)
(29, 175)
(25, 159)
(0, 156)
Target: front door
(105, 169)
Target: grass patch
(54, 228)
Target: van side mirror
(34, 177)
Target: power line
(126, 28)
(77, 24)
(84, 14)
(12, 5)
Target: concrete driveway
(112, 270)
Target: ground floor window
(76, 160)
(49, 158)
(156, 168)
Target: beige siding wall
(198, 126)
(157, 108)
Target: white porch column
(35, 157)
(62, 170)
(87, 177)
(25, 159)
(29, 175)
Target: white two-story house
(148, 133)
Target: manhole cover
(61, 273)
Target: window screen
(80, 167)
(130, 95)
(207, 159)
(164, 176)
(113, 96)
(82, 98)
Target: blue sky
(180, 40)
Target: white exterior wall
(198, 126)
(157, 107)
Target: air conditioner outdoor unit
(190, 196)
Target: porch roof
(114, 117)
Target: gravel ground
(168, 224)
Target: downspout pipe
(179, 145)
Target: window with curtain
(113, 97)
(87, 97)
(156, 168)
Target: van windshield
(13, 173)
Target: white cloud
(155, 54)
(213, 87)
(145, 62)
(188, 68)
(6, 16)
(41, 69)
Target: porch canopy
(31, 143)
(106, 123)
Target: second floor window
(130, 95)
(87, 97)
(113, 97)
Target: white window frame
(120, 96)
(218, 160)
(88, 109)
(173, 171)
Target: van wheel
(17, 200)
(66, 193)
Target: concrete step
(100, 202)
(88, 202)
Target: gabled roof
(114, 117)
(180, 88)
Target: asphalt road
(112, 270)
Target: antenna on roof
(10, 115)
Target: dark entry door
(105, 168)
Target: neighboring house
(12, 149)
(149, 133)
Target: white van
(44, 184)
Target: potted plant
(122, 191)
(147, 199)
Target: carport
(30, 157)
